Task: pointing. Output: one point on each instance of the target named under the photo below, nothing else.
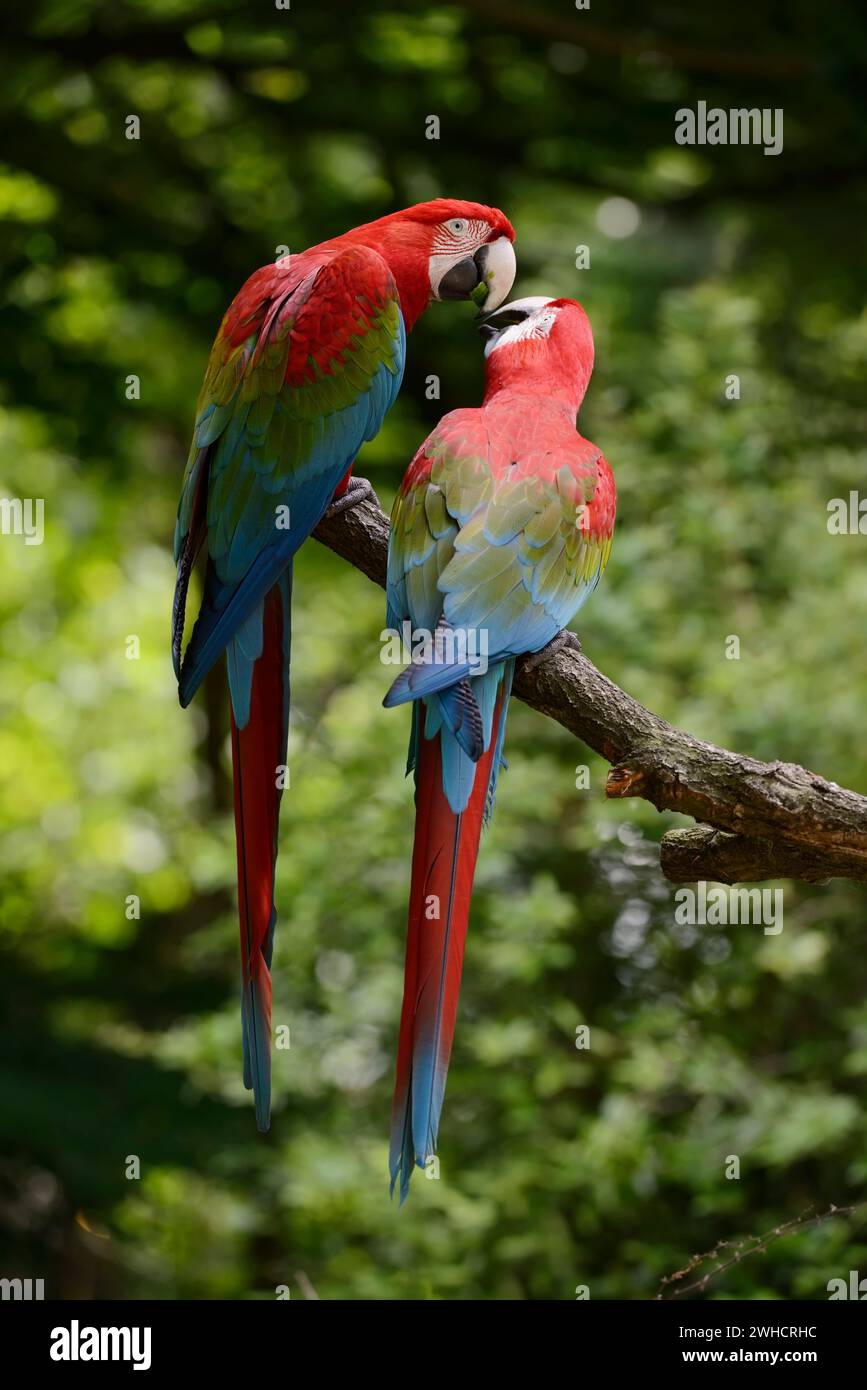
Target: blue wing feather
(226, 606)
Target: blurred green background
(120, 1036)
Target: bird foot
(557, 644)
(357, 489)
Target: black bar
(214, 1337)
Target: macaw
(500, 531)
(307, 362)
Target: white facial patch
(459, 236)
(438, 266)
(455, 239)
(538, 323)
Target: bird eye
(457, 226)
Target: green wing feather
(503, 548)
(290, 402)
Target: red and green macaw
(500, 531)
(308, 360)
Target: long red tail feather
(258, 754)
(445, 850)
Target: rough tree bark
(755, 820)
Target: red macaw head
(445, 249)
(539, 345)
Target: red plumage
(305, 366)
(500, 531)
(258, 751)
(445, 850)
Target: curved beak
(497, 267)
(491, 325)
(485, 277)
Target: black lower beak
(462, 279)
(494, 323)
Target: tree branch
(742, 1249)
(756, 820)
(702, 853)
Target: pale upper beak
(491, 324)
(498, 266)
(492, 266)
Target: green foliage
(120, 1034)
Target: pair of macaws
(501, 529)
